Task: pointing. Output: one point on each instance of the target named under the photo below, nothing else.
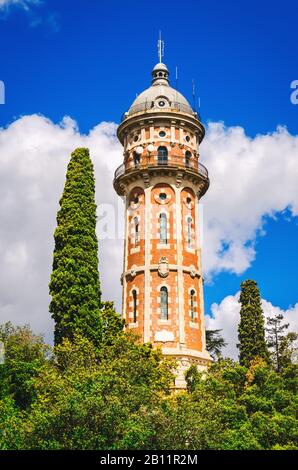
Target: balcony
(190, 168)
(150, 106)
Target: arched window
(163, 228)
(136, 230)
(192, 304)
(134, 296)
(162, 155)
(187, 158)
(189, 237)
(164, 303)
(136, 160)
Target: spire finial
(160, 48)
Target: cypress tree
(251, 329)
(74, 285)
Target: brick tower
(162, 181)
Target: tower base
(185, 358)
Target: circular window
(136, 199)
(188, 200)
(162, 134)
(187, 138)
(163, 196)
(161, 103)
(136, 138)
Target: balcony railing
(171, 162)
(149, 105)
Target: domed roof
(160, 95)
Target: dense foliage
(99, 388)
(119, 398)
(74, 286)
(251, 329)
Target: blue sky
(88, 60)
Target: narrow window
(136, 160)
(187, 159)
(164, 303)
(189, 244)
(192, 305)
(137, 231)
(134, 296)
(162, 155)
(163, 228)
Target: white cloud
(249, 179)
(34, 155)
(36, 12)
(226, 317)
(26, 4)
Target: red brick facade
(163, 181)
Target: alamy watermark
(294, 94)
(2, 92)
(114, 222)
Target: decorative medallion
(163, 266)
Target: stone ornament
(179, 178)
(163, 267)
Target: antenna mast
(160, 48)
(194, 94)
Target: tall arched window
(136, 230)
(192, 304)
(163, 228)
(162, 155)
(163, 303)
(187, 158)
(189, 237)
(136, 160)
(134, 296)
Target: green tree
(288, 350)
(74, 285)
(192, 377)
(11, 421)
(231, 408)
(119, 397)
(214, 343)
(92, 400)
(112, 324)
(25, 354)
(251, 329)
(280, 344)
